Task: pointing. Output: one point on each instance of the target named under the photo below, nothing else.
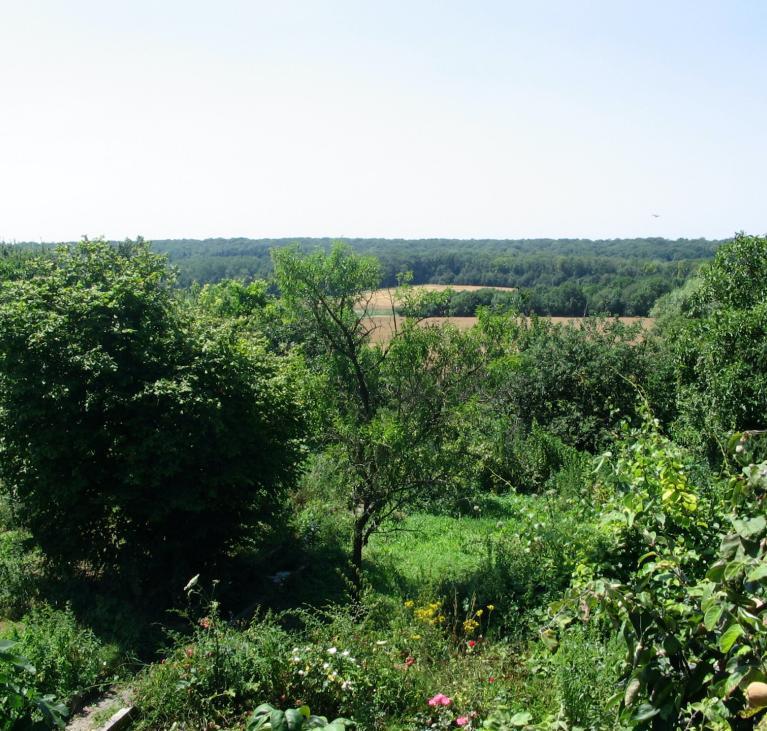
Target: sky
(412, 119)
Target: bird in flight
(656, 215)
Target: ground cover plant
(520, 526)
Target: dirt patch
(96, 715)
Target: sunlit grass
(425, 549)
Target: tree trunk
(358, 543)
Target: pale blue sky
(351, 118)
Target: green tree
(390, 412)
(138, 435)
(719, 351)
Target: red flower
(410, 661)
(472, 643)
(491, 679)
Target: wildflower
(490, 607)
(461, 720)
(346, 685)
(325, 665)
(332, 650)
(301, 672)
(440, 700)
(409, 604)
(205, 623)
(416, 637)
(345, 653)
(480, 612)
(471, 644)
(410, 661)
(380, 642)
(491, 679)
(296, 658)
(189, 651)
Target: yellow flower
(416, 637)
(490, 607)
(409, 603)
(480, 612)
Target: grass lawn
(426, 549)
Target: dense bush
(20, 570)
(137, 435)
(576, 383)
(22, 706)
(214, 674)
(718, 352)
(70, 662)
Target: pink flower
(461, 720)
(439, 700)
(410, 661)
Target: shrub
(214, 674)
(20, 570)
(576, 382)
(21, 705)
(69, 660)
(529, 462)
(181, 432)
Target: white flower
(325, 665)
(332, 651)
(301, 672)
(346, 685)
(296, 658)
(345, 653)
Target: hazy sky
(392, 118)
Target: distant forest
(569, 277)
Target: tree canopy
(138, 435)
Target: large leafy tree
(137, 435)
(719, 350)
(389, 412)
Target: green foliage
(69, 660)
(212, 675)
(294, 719)
(21, 703)
(558, 277)
(692, 639)
(576, 383)
(587, 670)
(718, 354)
(387, 414)
(529, 462)
(20, 570)
(137, 436)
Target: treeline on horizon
(565, 277)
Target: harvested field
(383, 326)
